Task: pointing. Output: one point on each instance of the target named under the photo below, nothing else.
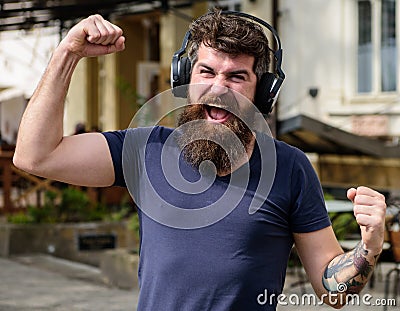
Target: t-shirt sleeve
(115, 140)
(308, 209)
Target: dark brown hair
(230, 34)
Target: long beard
(196, 151)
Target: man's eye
(206, 72)
(238, 78)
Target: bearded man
(202, 246)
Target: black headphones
(267, 87)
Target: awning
(27, 14)
(311, 135)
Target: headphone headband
(269, 85)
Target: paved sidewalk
(41, 282)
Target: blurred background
(340, 102)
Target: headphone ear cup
(184, 72)
(180, 88)
(264, 99)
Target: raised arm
(335, 274)
(41, 148)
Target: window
(231, 5)
(388, 46)
(364, 47)
(377, 46)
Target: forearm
(41, 128)
(349, 272)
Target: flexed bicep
(83, 160)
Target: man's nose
(219, 86)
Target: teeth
(217, 106)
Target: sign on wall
(370, 125)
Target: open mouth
(216, 114)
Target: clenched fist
(369, 210)
(94, 36)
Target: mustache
(226, 101)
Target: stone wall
(62, 240)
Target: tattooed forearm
(363, 267)
(349, 271)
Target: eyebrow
(230, 73)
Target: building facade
(340, 58)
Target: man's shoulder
(151, 133)
(285, 155)
(282, 148)
(285, 148)
(145, 134)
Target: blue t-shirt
(226, 265)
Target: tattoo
(350, 271)
(360, 262)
